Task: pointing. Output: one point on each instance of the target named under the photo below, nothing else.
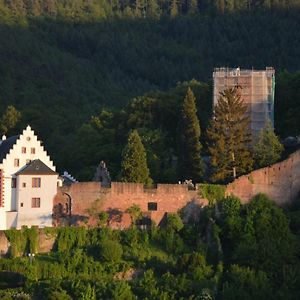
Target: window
(14, 183)
(16, 162)
(21, 204)
(152, 206)
(24, 184)
(36, 182)
(23, 149)
(35, 202)
(32, 150)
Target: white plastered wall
(35, 216)
(2, 218)
(28, 140)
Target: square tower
(257, 88)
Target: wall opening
(152, 206)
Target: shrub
(111, 251)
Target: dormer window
(23, 149)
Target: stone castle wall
(115, 200)
(281, 182)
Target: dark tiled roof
(36, 167)
(6, 145)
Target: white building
(28, 182)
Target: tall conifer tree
(230, 137)
(190, 165)
(268, 148)
(134, 164)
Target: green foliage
(190, 164)
(70, 237)
(268, 149)
(287, 104)
(245, 283)
(195, 263)
(111, 251)
(9, 119)
(135, 213)
(230, 209)
(22, 241)
(134, 164)
(230, 137)
(174, 222)
(254, 241)
(212, 192)
(260, 237)
(120, 290)
(103, 71)
(103, 218)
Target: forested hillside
(63, 61)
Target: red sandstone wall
(169, 198)
(281, 182)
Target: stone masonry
(154, 202)
(281, 182)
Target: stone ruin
(102, 175)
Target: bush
(111, 251)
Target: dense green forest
(230, 251)
(62, 62)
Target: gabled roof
(6, 145)
(36, 167)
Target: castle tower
(257, 88)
